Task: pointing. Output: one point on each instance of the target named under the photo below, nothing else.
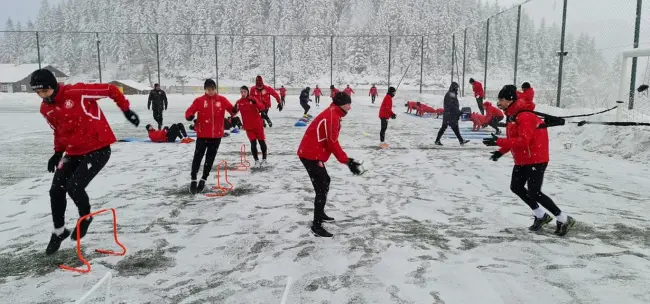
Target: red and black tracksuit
(385, 113)
(253, 124)
(210, 112)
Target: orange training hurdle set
(219, 190)
(111, 252)
(244, 164)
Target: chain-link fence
(569, 51)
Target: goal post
(624, 84)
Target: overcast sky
(612, 22)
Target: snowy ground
(424, 225)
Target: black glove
(192, 127)
(132, 117)
(54, 161)
(490, 141)
(354, 166)
(280, 107)
(496, 155)
(393, 116)
(190, 118)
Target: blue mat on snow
(133, 139)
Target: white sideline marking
(107, 278)
(286, 291)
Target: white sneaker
(257, 163)
(263, 163)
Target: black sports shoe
(55, 241)
(318, 230)
(563, 228)
(438, 143)
(201, 186)
(193, 189)
(326, 218)
(462, 143)
(83, 228)
(540, 222)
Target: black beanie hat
(525, 85)
(471, 80)
(340, 99)
(331, 87)
(508, 92)
(209, 83)
(391, 90)
(43, 79)
(244, 88)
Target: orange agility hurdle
(219, 190)
(111, 252)
(244, 164)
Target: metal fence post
(421, 63)
(487, 45)
(158, 56)
(216, 59)
(464, 57)
(561, 54)
(38, 49)
(274, 62)
(99, 58)
(453, 55)
(637, 29)
(517, 42)
(331, 60)
(390, 47)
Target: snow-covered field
(423, 225)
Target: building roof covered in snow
(11, 73)
(135, 85)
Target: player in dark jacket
(451, 115)
(304, 100)
(157, 101)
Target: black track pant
(265, 116)
(176, 131)
(321, 182)
(73, 178)
(384, 126)
(373, 97)
(317, 99)
(451, 122)
(254, 148)
(282, 99)
(305, 106)
(534, 176)
(479, 102)
(494, 122)
(209, 148)
(158, 117)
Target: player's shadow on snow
(37, 263)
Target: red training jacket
(264, 94)
(386, 108)
(491, 111)
(210, 112)
(283, 91)
(477, 87)
(527, 97)
(333, 92)
(79, 124)
(349, 91)
(250, 113)
(158, 136)
(373, 91)
(321, 138)
(317, 92)
(528, 144)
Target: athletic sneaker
(540, 222)
(55, 241)
(318, 230)
(563, 228)
(83, 228)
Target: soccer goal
(641, 90)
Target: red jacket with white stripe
(317, 92)
(158, 135)
(528, 144)
(79, 124)
(373, 91)
(250, 113)
(477, 87)
(264, 94)
(321, 138)
(210, 112)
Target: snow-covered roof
(136, 85)
(10, 73)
